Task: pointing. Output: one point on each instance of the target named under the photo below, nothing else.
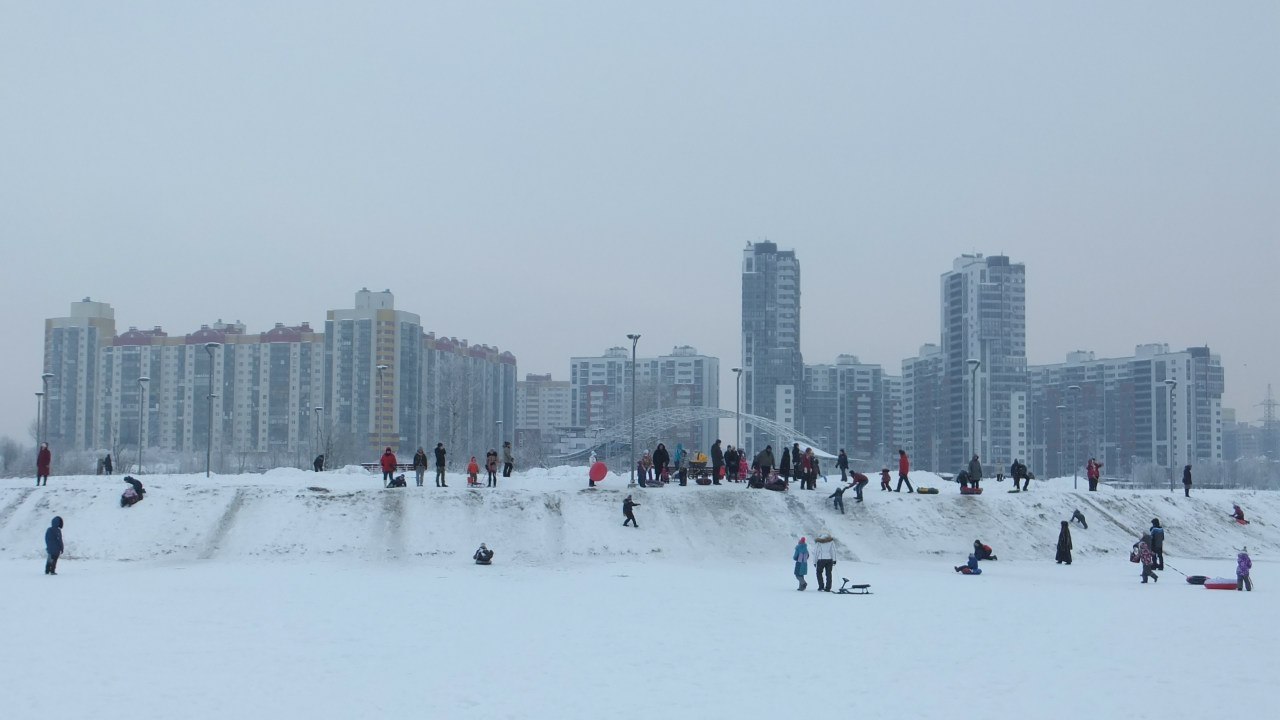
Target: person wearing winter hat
(824, 558)
(53, 544)
(801, 558)
(627, 504)
(1157, 543)
(389, 466)
(1243, 565)
(483, 556)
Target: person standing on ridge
(389, 465)
(107, 465)
(53, 545)
(904, 468)
(661, 459)
(801, 558)
(627, 505)
(717, 462)
(975, 471)
(842, 462)
(440, 455)
(44, 459)
(1093, 471)
(491, 468)
(420, 464)
(1186, 480)
(508, 459)
(1064, 544)
(784, 465)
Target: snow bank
(548, 517)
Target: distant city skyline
(551, 181)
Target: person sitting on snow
(971, 567)
(1238, 514)
(132, 494)
(483, 556)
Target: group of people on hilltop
(422, 463)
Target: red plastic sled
(1220, 584)
(970, 491)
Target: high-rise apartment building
(922, 408)
(984, 361)
(854, 406)
(71, 347)
(773, 366)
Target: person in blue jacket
(801, 558)
(971, 567)
(53, 544)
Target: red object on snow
(598, 472)
(1220, 584)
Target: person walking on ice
(53, 546)
(627, 505)
(801, 558)
(824, 558)
(1243, 565)
(1141, 553)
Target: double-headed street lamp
(142, 413)
(1173, 387)
(737, 407)
(208, 450)
(42, 431)
(974, 364)
(634, 338)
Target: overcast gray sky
(547, 177)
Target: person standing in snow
(784, 465)
(1157, 543)
(1243, 565)
(1093, 471)
(491, 468)
(107, 465)
(717, 462)
(886, 484)
(388, 463)
(824, 558)
(661, 459)
(627, 505)
(837, 497)
(904, 467)
(858, 482)
(420, 464)
(1142, 550)
(842, 462)
(316, 465)
(681, 464)
(765, 462)
(801, 558)
(44, 459)
(1064, 544)
(440, 455)
(53, 545)
(975, 471)
(508, 459)
(1186, 480)
(1078, 516)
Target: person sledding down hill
(971, 567)
(132, 494)
(483, 556)
(1238, 514)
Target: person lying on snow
(132, 494)
(982, 551)
(971, 567)
(397, 481)
(483, 556)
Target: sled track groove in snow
(223, 527)
(12, 506)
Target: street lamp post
(1173, 387)
(499, 435)
(377, 408)
(39, 417)
(142, 413)
(43, 430)
(316, 431)
(737, 406)
(634, 338)
(974, 364)
(208, 449)
(1074, 392)
(1061, 442)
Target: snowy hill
(548, 517)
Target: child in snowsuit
(1243, 565)
(53, 545)
(473, 473)
(837, 497)
(971, 567)
(1142, 549)
(1078, 516)
(884, 480)
(801, 558)
(1064, 544)
(627, 504)
(483, 556)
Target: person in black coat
(440, 453)
(483, 556)
(1078, 516)
(731, 464)
(717, 462)
(842, 462)
(318, 464)
(420, 465)
(661, 459)
(53, 545)
(107, 466)
(133, 495)
(1157, 543)
(1186, 480)
(1064, 544)
(627, 504)
(784, 465)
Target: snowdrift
(549, 517)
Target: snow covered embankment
(548, 517)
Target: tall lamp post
(316, 432)
(737, 406)
(1073, 454)
(974, 364)
(634, 338)
(1173, 387)
(377, 407)
(142, 414)
(43, 430)
(499, 435)
(208, 449)
(39, 417)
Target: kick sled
(847, 589)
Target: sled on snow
(1220, 584)
(927, 490)
(970, 491)
(1197, 579)
(847, 589)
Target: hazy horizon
(549, 178)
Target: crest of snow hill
(549, 517)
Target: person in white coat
(824, 558)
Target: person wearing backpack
(1157, 543)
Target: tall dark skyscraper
(773, 377)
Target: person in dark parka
(316, 465)
(44, 459)
(1064, 544)
(784, 465)
(717, 462)
(627, 504)
(53, 545)
(440, 455)
(842, 462)
(1078, 516)
(133, 494)
(975, 471)
(1186, 480)
(661, 459)
(1157, 543)
(107, 465)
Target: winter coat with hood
(440, 455)
(766, 458)
(1157, 536)
(801, 558)
(717, 455)
(53, 537)
(1064, 543)
(842, 461)
(1243, 564)
(904, 464)
(1143, 547)
(975, 469)
(784, 465)
(388, 461)
(824, 548)
(661, 458)
(507, 456)
(420, 459)
(43, 460)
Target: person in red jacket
(473, 472)
(1094, 472)
(904, 467)
(388, 467)
(43, 460)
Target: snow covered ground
(252, 596)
